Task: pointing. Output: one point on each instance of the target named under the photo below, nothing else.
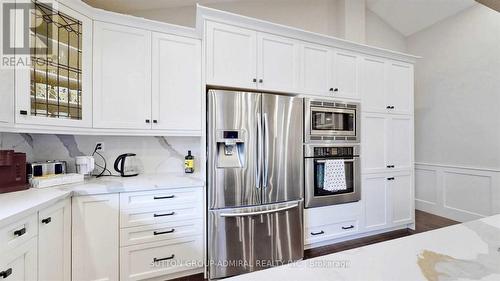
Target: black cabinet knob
(254, 80)
(260, 80)
(47, 220)
(155, 121)
(336, 89)
(20, 232)
(6, 273)
(147, 121)
(331, 90)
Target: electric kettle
(126, 165)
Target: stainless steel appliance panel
(282, 119)
(232, 185)
(243, 240)
(313, 195)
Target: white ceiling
(410, 16)
(406, 16)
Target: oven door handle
(324, 160)
(232, 215)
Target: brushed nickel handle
(258, 213)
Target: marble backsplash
(154, 154)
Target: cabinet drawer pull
(23, 112)
(20, 232)
(164, 215)
(318, 233)
(6, 273)
(164, 232)
(163, 197)
(47, 220)
(348, 227)
(155, 260)
(390, 179)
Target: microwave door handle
(258, 172)
(266, 152)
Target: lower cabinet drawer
(157, 259)
(160, 232)
(17, 233)
(160, 214)
(321, 233)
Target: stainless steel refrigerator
(255, 181)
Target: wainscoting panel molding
(458, 193)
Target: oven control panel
(333, 151)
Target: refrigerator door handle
(231, 215)
(259, 152)
(266, 151)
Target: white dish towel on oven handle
(334, 175)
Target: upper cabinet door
(400, 87)
(177, 96)
(122, 77)
(373, 85)
(345, 74)
(316, 70)
(278, 63)
(57, 89)
(231, 56)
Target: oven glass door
(319, 178)
(333, 121)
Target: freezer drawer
(247, 239)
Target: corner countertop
(467, 251)
(15, 205)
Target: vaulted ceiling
(406, 16)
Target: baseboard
(456, 192)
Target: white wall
(457, 116)
(457, 90)
(381, 34)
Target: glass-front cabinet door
(54, 88)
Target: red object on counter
(12, 171)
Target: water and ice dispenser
(230, 148)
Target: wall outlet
(99, 146)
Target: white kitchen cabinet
(387, 142)
(95, 237)
(176, 89)
(402, 199)
(122, 77)
(400, 87)
(278, 63)
(374, 195)
(20, 264)
(7, 96)
(373, 84)
(345, 81)
(57, 89)
(231, 56)
(54, 242)
(386, 86)
(316, 70)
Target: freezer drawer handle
(163, 197)
(318, 233)
(347, 227)
(6, 273)
(164, 215)
(155, 260)
(258, 213)
(163, 232)
(20, 232)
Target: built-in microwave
(330, 120)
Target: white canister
(85, 165)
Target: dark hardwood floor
(423, 221)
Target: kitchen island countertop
(467, 251)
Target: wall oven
(328, 120)
(332, 174)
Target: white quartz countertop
(468, 251)
(15, 205)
